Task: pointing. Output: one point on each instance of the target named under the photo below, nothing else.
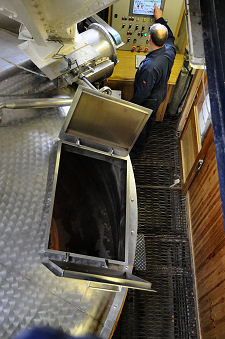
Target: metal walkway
(170, 312)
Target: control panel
(135, 32)
(133, 18)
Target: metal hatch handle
(114, 288)
(97, 274)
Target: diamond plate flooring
(31, 295)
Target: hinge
(111, 151)
(199, 165)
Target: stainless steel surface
(9, 49)
(46, 18)
(87, 82)
(106, 90)
(52, 41)
(36, 103)
(30, 294)
(104, 120)
(101, 71)
(9, 24)
(113, 33)
(104, 276)
(98, 37)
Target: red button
(146, 49)
(130, 18)
(123, 17)
(134, 48)
(140, 48)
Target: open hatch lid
(103, 122)
(100, 275)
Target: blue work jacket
(150, 85)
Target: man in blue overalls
(150, 85)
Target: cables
(57, 55)
(21, 67)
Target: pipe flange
(108, 37)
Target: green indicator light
(145, 34)
(132, 18)
(125, 18)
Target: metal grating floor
(171, 311)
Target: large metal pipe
(36, 103)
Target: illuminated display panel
(144, 7)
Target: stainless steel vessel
(91, 207)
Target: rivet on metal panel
(132, 232)
(132, 199)
(78, 142)
(67, 257)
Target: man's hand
(157, 12)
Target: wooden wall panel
(189, 145)
(208, 241)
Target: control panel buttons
(135, 32)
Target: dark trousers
(141, 142)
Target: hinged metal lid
(97, 274)
(103, 122)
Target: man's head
(158, 35)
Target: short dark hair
(159, 34)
